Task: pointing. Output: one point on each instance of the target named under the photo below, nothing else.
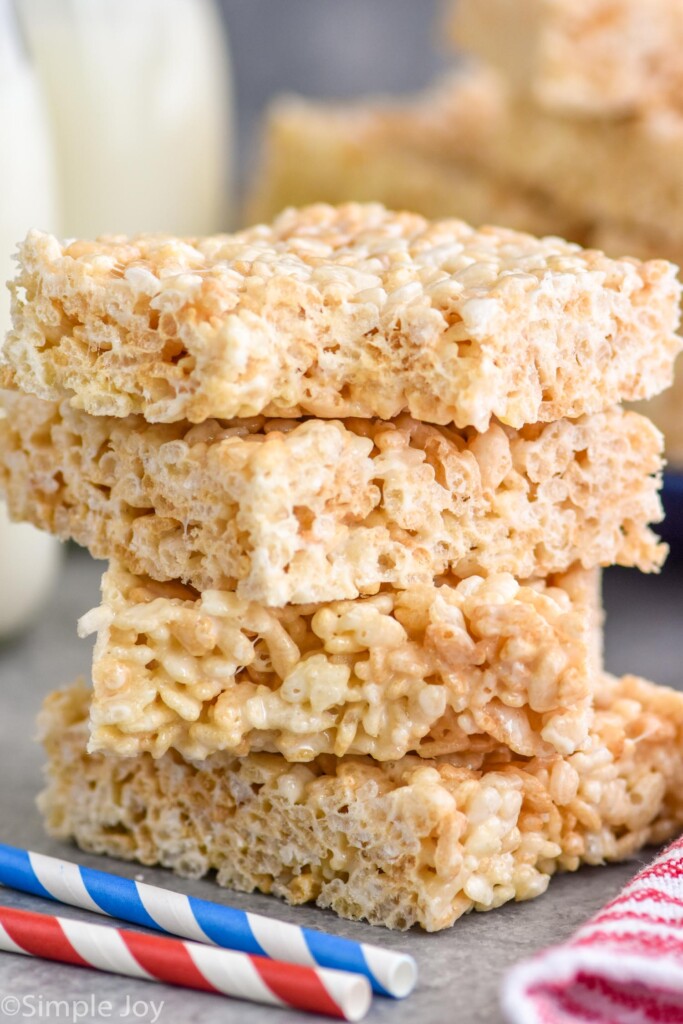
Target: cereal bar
(404, 843)
(289, 512)
(467, 665)
(341, 311)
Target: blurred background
(328, 49)
(146, 115)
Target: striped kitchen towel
(624, 967)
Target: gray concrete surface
(459, 970)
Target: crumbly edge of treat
(286, 512)
(410, 842)
(431, 669)
(331, 311)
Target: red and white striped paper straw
(189, 964)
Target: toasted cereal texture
(341, 311)
(435, 669)
(316, 151)
(601, 58)
(287, 512)
(403, 843)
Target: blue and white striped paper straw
(390, 973)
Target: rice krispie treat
(623, 171)
(467, 665)
(373, 150)
(346, 311)
(289, 512)
(403, 843)
(600, 58)
(402, 153)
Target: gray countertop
(459, 969)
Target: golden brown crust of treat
(409, 842)
(597, 58)
(432, 669)
(346, 311)
(288, 512)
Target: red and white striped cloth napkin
(624, 967)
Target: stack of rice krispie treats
(355, 474)
(569, 121)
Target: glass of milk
(28, 558)
(139, 98)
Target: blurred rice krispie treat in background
(424, 153)
(597, 58)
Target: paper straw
(188, 964)
(390, 973)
